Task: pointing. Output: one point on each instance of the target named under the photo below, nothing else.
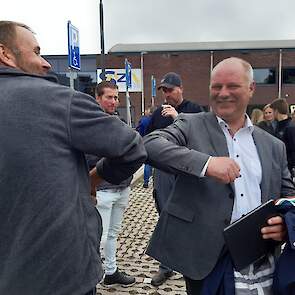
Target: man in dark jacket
(49, 228)
(111, 199)
(172, 90)
(285, 129)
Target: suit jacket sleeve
(287, 185)
(167, 149)
(94, 132)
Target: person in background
(49, 228)
(280, 108)
(142, 128)
(163, 116)
(256, 116)
(111, 199)
(269, 123)
(285, 129)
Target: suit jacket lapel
(216, 135)
(265, 154)
(217, 138)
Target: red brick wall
(194, 68)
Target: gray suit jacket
(49, 228)
(189, 235)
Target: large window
(265, 76)
(289, 76)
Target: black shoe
(161, 277)
(145, 185)
(118, 278)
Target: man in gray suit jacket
(49, 228)
(225, 167)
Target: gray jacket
(189, 235)
(49, 229)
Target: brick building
(273, 63)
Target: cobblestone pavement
(138, 224)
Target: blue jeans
(147, 173)
(111, 204)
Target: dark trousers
(193, 287)
(91, 292)
(159, 205)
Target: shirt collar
(248, 124)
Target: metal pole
(128, 108)
(128, 114)
(211, 61)
(280, 74)
(142, 83)
(102, 53)
(71, 78)
(211, 69)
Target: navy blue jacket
(143, 125)
(158, 121)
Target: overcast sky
(152, 21)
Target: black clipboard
(244, 239)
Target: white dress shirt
(242, 149)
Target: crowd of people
(275, 119)
(67, 162)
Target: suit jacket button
(231, 195)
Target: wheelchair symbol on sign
(75, 61)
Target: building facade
(273, 63)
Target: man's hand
(169, 111)
(275, 230)
(223, 169)
(95, 180)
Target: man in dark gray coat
(49, 228)
(225, 167)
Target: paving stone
(138, 224)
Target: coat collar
(8, 71)
(216, 135)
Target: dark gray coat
(189, 235)
(49, 229)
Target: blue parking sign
(128, 74)
(73, 47)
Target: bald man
(224, 170)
